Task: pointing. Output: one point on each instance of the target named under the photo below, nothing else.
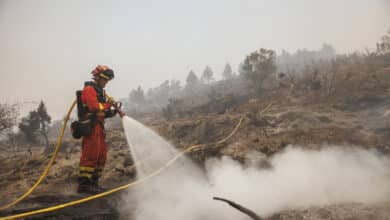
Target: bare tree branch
(8, 116)
(240, 208)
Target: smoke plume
(296, 178)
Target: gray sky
(49, 47)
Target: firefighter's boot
(95, 180)
(86, 186)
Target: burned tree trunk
(240, 208)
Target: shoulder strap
(100, 92)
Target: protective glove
(110, 112)
(110, 100)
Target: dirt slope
(347, 121)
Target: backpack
(86, 121)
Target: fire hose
(116, 105)
(48, 166)
(103, 194)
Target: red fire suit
(94, 148)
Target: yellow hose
(46, 171)
(89, 198)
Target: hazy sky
(49, 47)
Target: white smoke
(297, 179)
(301, 178)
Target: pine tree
(383, 47)
(207, 75)
(29, 126)
(227, 72)
(175, 88)
(44, 122)
(192, 80)
(36, 124)
(257, 67)
(137, 95)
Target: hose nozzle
(118, 107)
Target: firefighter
(94, 149)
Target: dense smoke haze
(50, 47)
